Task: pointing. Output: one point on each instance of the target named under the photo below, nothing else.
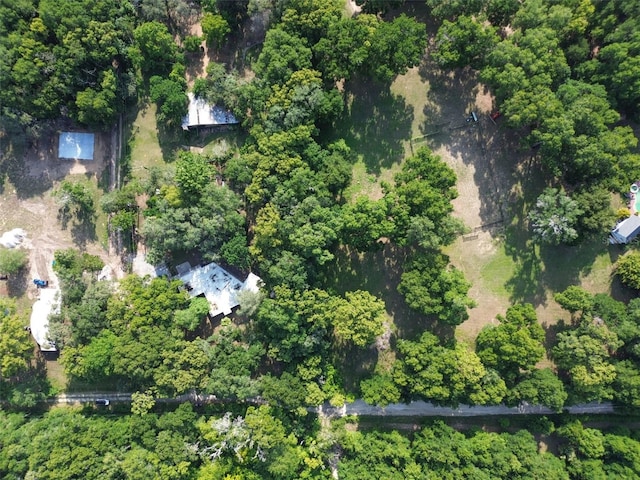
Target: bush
(12, 260)
(191, 43)
(628, 268)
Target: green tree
(12, 260)
(74, 198)
(433, 287)
(171, 99)
(185, 366)
(540, 387)
(286, 391)
(586, 442)
(554, 217)
(359, 318)
(345, 49)
(155, 50)
(16, 350)
(396, 46)
(191, 318)
(295, 324)
(513, 346)
(464, 42)
(627, 383)
(424, 188)
(575, 298)
(193, 173)
(597, 215)
(584, 354)
(236, 252)
(92, 362)
(215, 28)
(99, 107)
(445, 375)
(628, 269)
(281, 55)
(142, 402)
(364, 223)
(380, 390)
(203, 226)
(311, 18)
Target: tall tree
(16, 350)
(513, 346)
(554, 217)
(359, 318)
(12, 260)
(433, 287)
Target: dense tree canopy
(70, 58)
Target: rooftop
(203, 114)
(218, 286)
(46, 304)
(76, 146)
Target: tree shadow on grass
(376, 123)
(379, 273)
(564, 265)
(18, 283)
(83, 231)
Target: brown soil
(26, 202)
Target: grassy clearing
(497, 181)
(144, 145)
(151, 149)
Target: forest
(563, 78)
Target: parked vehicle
(41, 283)
(102, 401)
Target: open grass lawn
(497, 181)
(151, 148)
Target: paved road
(425, 409)
(359, 407)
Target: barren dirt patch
(26, 202)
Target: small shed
(76, 145)
(626, 230)
(203, 114)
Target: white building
(203, 114)
(218, 286)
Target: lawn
(147, 151)
(497, 182)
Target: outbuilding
(202, 114)
(625, 231)
(76, 146)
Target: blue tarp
(76, 146)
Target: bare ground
(27, 202)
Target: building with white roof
(218, 286)
(48, 302)
(76, 145)
(203, 114)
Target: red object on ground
(495, 115)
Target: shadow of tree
(171, 138)
(379, 273)
(83, 231)
(376, 123)
(18, 283)
(194, 63)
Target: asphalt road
(425, 409)
(359, 407)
